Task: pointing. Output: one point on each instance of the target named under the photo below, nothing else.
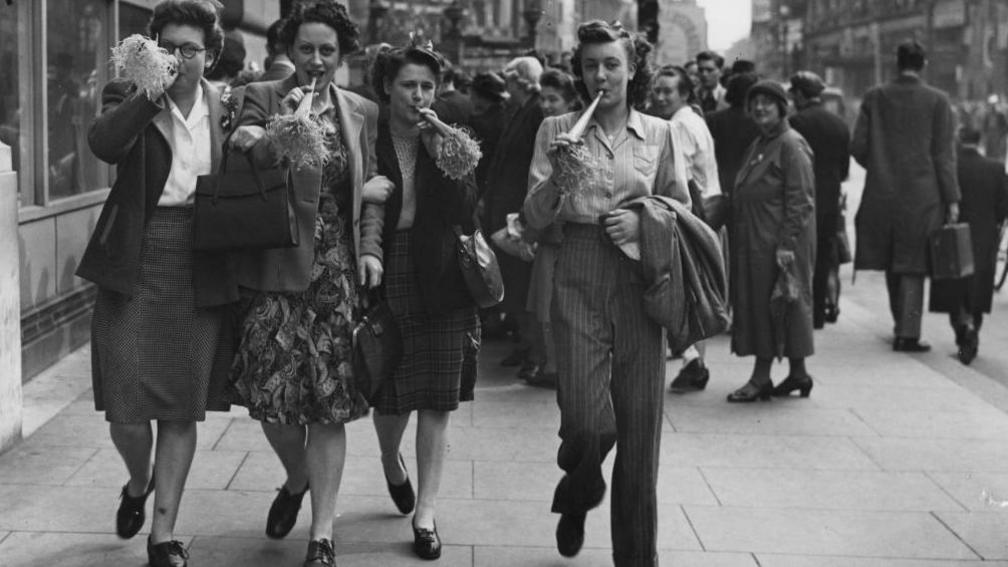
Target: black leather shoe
(320, 554)
(130, 516)
(570, 533)
(402, 494)
(692, 378)
(970, 346)
(802, 383)
(750, 393)
(167, 554)
(903, 344)
(426, 543)
(283, 513)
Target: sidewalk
(885, 464)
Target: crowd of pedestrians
(178, 332)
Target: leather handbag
(479, 267)
(377, 347)
(951, 252)
(244, 207)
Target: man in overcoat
(904, 139)
(828, 136)
(984, 207)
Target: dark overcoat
(772, 207)
(441, 204)
(904, 139)
(828, 136)
(506, 187)
(984, 206)
(733, 131)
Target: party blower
(299, 138)
(576, 167)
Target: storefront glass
(10, 108)
(77, 47)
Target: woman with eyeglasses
(610, 353)
(293, 370)
(155, 337)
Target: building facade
(677, 28)
(55, 58)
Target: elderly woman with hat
(774, 234)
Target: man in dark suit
(828, 136)
(984, 207)
(278, 64)
(904, 139)
(732, 130)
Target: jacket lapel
(212, 95)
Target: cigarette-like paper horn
(578, 129)
(304, 107)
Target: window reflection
(10, 111)
(77, 53)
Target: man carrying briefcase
(984, 207)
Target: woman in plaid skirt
(423, 285)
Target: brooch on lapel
(230, 103)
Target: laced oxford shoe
(283, 513)
(426, 543)
(692, 378)
(320, 554)
(167, 554)
(130, 516)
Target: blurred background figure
(277, 64)
(709, 92)
(995, 127)
(231, 62)
(488, 94)
(452, 105)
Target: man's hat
(489, 85)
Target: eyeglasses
(187, 51)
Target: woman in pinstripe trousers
(609, 353)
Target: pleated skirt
(152, 354)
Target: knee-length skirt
(152, 354)
(438, 366)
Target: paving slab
(779, 418)
(210, 470)
(984, 532)
(771, 560)
(36, 508)
(763, 451)
(828, 490)
(912, 535)
(548, 557)
(91, 430)
(263, 552)
(939, 455)
(979, 491)
(22, 549)
(979, 423)
(35, 464)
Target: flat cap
(807, 83)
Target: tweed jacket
(289, 269)
(132, 132)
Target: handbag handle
(252, 165)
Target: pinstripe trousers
(611, 366)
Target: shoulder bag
(244, 207)
(479, 268)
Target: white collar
(199, 109)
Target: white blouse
(191, 151)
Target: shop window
(133, 19)
(77, 52)
(11, 34)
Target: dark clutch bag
(244, 207)
(377, 348)
(480, 270)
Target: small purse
(244, 208)
(377, 347)
(479, 268)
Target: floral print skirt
(294, 359)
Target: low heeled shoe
(426, 543)
(750, 393)
(801, 383)
(130, 516)
(904, 344)
(167, 554)
(320, 554)
(570, 533)
(283, 513)
(402, 494)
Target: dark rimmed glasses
(186, 50)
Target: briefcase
(951, 252)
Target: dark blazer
(733, 131)
(828, 136)
(984, 206)
(507, 176)
(132, 133)
(441, 204)
(276, 72)
(289, 269)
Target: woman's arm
(799, 191)
(251, 124)
(545, 198)
(125, 114)
(372, 214)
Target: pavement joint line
(957, 536)
(755, 559)
(4, 538)
(927, 474)
(696, 534)
(711, 488)
(230, 424)
(82, 465)
(238, 469)
(472, 485)
(853, 411)
(867, 454)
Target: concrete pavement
(887, 463)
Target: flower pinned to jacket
(229, 103)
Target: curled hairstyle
(638, 52)
(201, 14)
(526, 70)
(684, 86)
(388, 63)
(563, 83)
(328, 12)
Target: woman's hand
(290, 102)
(245, 137)
(430, 131)
(369, 271)
(785, 258)
(622, 226)
(377, 190)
